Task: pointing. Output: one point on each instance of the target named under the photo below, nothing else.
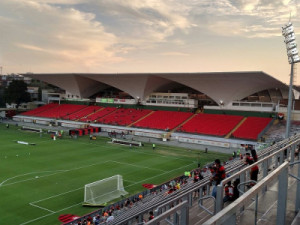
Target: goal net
(103, 191)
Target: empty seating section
(60, 111)
(124, 117)
(251, 128)
(97, 115)
(81, 113)
(163, 120)
(211, 124)
(207, 124)
(39, 109)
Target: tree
(16, 92)
(40, 94)
(2, 104)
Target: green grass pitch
(39, 183)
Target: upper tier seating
(163, 120)
(97, 115)
(84, 112)
(124, 117)
(211, 124)
(39, 109)
(251, 128)
(60, 111)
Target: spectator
(254, 170)
(236, 192)
(234, 154)
(228, 192)
(220, 175)
(151, 216)
(253, 153)
(97, 220)
(110, 217)
(153, 146)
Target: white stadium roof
(219, 86)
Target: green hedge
(240, 113)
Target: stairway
(141, 119)
(168, 135)
(236, 127)
(90, 114)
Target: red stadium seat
(251, 128)
(163, 120)
(211, 124)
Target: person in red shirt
(219, 175)
(228, 192)
(151, 216)
(254, 170)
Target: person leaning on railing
(218, 176)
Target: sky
(146, 36)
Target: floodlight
(293, 51)
(287, 30)
(293, 57)
(291, 45)
(290, 41)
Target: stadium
(136, 134)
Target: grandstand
(218, 125)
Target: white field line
(60, 171)
(32, 204)
(41, 217)
(25, 174)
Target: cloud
(145, 22)
(64, 35)
(96, 35)
(174, 54)
(244, 17)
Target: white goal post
(103, 191)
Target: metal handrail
(231, 209)
(203, 207)
(223, 182)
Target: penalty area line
(41, 207)
(41, 217)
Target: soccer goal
(103, 191)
